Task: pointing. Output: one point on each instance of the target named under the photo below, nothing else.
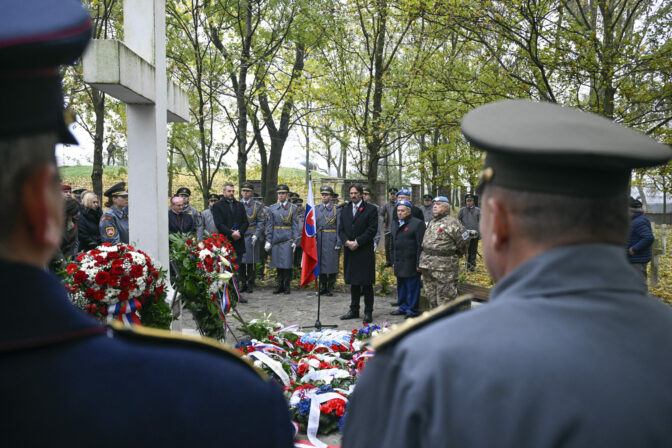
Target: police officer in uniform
(208, 219)
(114, 222)
(87, 379)
(328, 242)
(189, 209)
(570, 351)
(387, 213)
(254, 211)
(282, 234)
(427, 208)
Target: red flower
(361, 209)
(123, 295)
(303, 368)
(125, 282)
(113, 281)
(80, 277)
(136, 271)
(72, 268)
(405, 229)
(102, 277)
(99, 295)
(117, 270)
(440, 230)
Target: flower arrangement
(203, 271)
(119, 282)
(318, 370)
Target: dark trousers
(408, 294)
(248, 273)
(284, 277)
(641, 270)
(473, 250)
(388, 248)
(327, 282)
(355, 292)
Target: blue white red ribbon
(125, 312)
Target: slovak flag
(310, 266)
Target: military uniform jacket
(209, 221)
(199, 223)
(445, 241)
(96, 387)
(428, 212)
(114, 226)
(408, 247)
(570, 352)
(359, 265)
(282, 230)
(229, 217)
(326, 220)
(256, 218)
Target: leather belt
(282, 227)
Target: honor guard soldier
(263, 254)
(85, 378)
(387, 212)
(189, 209)
(114, 222)
(301, 212)
(328, 242)
(282, 234)
(570, 351)
(208, 219)
(256, 219)
(427, 208)
(334, 199)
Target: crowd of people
(570, 351)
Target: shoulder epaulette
(105, 218)
(415, 323)
(141, 333)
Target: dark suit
(68, 381)
(184, 223)
(359, 266)
(569, 352)
(230, 216)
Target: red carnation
(102, 277)
(89, 293)
(99, 295)
(112, 255)
(72, 268)
(361, 209)
(123, 295)
(80, 277)
(405, 229)
(125, 281)
(113, 281)
(440, 230)
(117, 270)
(136, 271)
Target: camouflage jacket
(445, 241)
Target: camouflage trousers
(440, 286)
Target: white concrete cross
(134, 71)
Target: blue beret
(404, 203)
(36, 37)
(404, 191)
(441, 199)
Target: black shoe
(286, 291)
(395, 303)
(243, 288)
(323, 292)
(350, 315)
(249, 289)
(397, 313)
(368, 318)
(409, 315)
(242, 299)
(388, 265)
(329, 294)
(278, 290)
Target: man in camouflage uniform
(185, 193)
(256, 219)
(444, 242)
(282, 235)
(328, 243)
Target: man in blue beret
(570, 351)
(65, 379)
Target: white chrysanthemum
(201, 245)
(204, 253)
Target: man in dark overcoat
(570, 352)
(231, 221)
(93, 384)
(407, 249)
(357, 229)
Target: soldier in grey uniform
(366, 196)
(256, 219)
(282, 235)
(570, 351)
(427, 208)
(114, 222)
(263, 254)
(189, 209)
(387, 213)
(328, 242)
(301, 213)
(208, 220)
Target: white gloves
(473, 232)
(254, 239)
(267, 246)
(337, 248)
(293, 247)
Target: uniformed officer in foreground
(189, 209)
(328, 242)
(93, 385)
(114, 222)
(256, 218)
(282, 235)
(570, 352)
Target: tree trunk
(241, 102)
(97, 173)
(308, 154)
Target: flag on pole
(310, 266)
